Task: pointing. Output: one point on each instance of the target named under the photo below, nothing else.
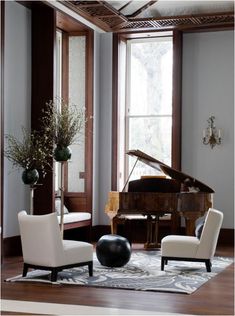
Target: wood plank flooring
(216, 297)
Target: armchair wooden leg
(54, 273)
(90, 268)
(25, 269)
(162, 264)
(208, 265)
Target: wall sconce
(210, 135)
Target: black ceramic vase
(30, 176)
(62, 153)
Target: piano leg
(114, 223)
(152, 232)
(175, 223)
(190, 219)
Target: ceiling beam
(113, 10)
(124, 6)
(143, 8)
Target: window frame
(176, 96)
(81, 200)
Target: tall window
(74, 84)
(145, 104)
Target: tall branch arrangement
(63, 123)
(32, 152)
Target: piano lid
(173, 173)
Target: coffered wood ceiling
(122, 16)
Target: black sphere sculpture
(113, 250)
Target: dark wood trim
(162, 32)
(100, 230)
(176, 99)
(70, 27)
(226, 237)
(76, 194)
(115, 111)
(77, 224)
(89, 69)
(65, 66)
(86, 16)
(68, 23)
(106, 17)
(43, 60)
(12, 246)
(2, 120)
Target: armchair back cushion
(40, 238)
(210, 234)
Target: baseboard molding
(226, 237)
(12, 245)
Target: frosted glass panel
(77, 63)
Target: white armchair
(44, 249)
(189, 248)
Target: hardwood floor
(216, 297)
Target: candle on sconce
(210, 131)
(204, 133)
(219, 133)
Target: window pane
(151, 77)
(152, 136)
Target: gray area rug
(142, 272)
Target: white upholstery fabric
(192, 247)
(179, 246)
(210, 234)
(73, 217)
(76, 251)
(42, 243)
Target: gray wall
(17, 101)
(208, 89)
(105, 123)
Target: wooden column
(177, 99)
(43, 47)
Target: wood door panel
(76, 203)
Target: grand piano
(174, 193)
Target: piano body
(178, 195)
